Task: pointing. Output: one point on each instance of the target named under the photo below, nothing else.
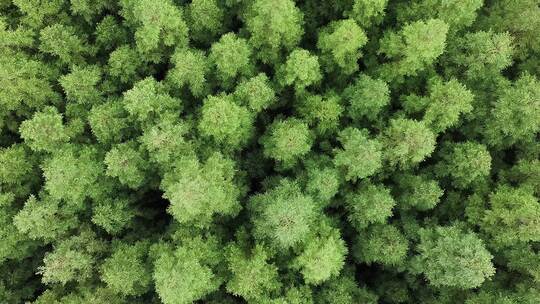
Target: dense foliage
(269, 151)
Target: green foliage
(368, 12)
(274, 27)
(512, 216)
(80, 85)
(190, 68)
(72, 175)
(286, 141)
(184, 274)
(166, 142)
(73, 259)
(360, 156)
(123, 63)
(235, 122)
(26, 82)
(253, 278)
(369, 204)
(340, 44)
(383, 244)
(482, 53)
(301, 70)
(414, 48)
(158, 23)
(108, 121)
(125, 271)
(516, 114)
(44, 219)
(283, 215)
(466, 163)
(456, 13)
(407, 142)
(321, 112)
(44, 131)
(323, 257)
(269, 152)
(205, 19)
(322, 183)
(231, 56)
(14, 165)
(62, 41)
(450, 257)
(113, 215)
(419, 192)
(366, 97)
(147, 101)
(447, 101)
(126, 162)
(256, 93)
(199, 191)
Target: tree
(457, 14)
(113, 215)
(81, 85)
(108, 122)
(466, 163)
(407, 142)
(205, 19)
(516, 115)
(383, 244)
(323, 257)
(199, 191)
(72, 259)
(301, 70)
(45, 131)
(321, 112)
(166, 142)
(344, 289)
(451, 257)
(45, 219)
(360, 156)
(340, 43)
(126, 271)
(26, 82)
(123, 64)
(366, 97)
(286, 141)
(191, 68)
(236, 122)
(15, 165)
(148, 100)
(231, 57)
(283, 215)
(483, 54)
(322, 182)
(407, 50)
(418, 192)
(512, 216)
(370, 204)
(185, 274)
(253, 277)
(72, 175)
(158, 23)
(63, 42)
(275, 27)
(255, 93)
(110, 34)
(126, 162)
(447, 101)
(367, 12)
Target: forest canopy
(269, 151)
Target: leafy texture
(269, 151)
